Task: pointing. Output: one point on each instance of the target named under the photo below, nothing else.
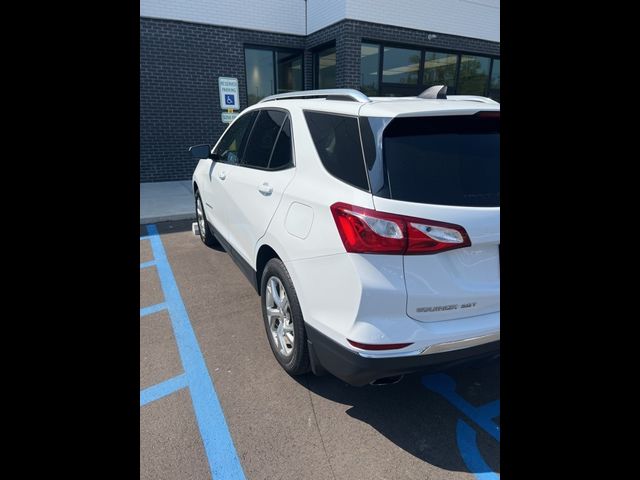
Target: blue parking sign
(229, 99)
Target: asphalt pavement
(237, 409)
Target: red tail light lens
(363, 230)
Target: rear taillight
(363, 230)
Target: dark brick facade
(180, 64)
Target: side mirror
(200, 151)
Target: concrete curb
(168, 218)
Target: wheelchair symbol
(465, 434)
(229, 99)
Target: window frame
(273, 50)
(291, 164)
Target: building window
(325, 68)
(474, 75)
(369, 63)
(272, 71)
(440, 69)
(400, 65)
(395, 71)
(494, 82)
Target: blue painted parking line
(465, 435)
(445, 386)
(152, 309)
(163, 389)
(218, 444)
(145, 237)
(471, 456)
(148, 264)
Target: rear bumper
(358, 371)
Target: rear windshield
(447, 160)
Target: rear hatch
(443, 169)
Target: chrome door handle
(265, 189)
(222, 175)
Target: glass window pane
(281, 156)
(440, 69)
(259, 64)
(233, 139)
(444, 160)
(263, 137)
(327, 68)
(494, 83)
(474, 73)
(369, 59)
(337, 142)
(400, 65)
(289, 72)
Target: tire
(203, 225)
(294, 360)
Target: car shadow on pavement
(418, 420)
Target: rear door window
(282, 156)
(444, 160)
(337, 142)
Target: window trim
(356, 117)
(293, 151)
(273, 50)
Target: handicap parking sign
(229, 99)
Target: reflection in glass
(369, 60)
(289, 72)
(494, 82)
(326, 64)
(259, 64)
(474, 74)
(400, 65)
(440, 69)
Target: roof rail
(473, 98)
(348, 94)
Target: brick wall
(179, 102)
(180, 63)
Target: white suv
(370, 227)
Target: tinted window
(231, 146)
(326, 68)
(337, 141)
(259, 65)
(271, 71)
(263, 137)
(289, 72)
(281, 156)
(440, 69)
(369, 60)
(400, 65)
(474, 75)
(494, 84)
(444, 160)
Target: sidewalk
(163, 201)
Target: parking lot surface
(216, 404)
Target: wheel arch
(265, 253)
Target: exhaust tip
(387, 380)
